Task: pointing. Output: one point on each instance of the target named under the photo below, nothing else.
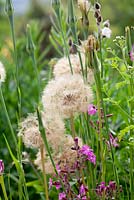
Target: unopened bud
(1, 167)
(128, 39)
(70, 42)
(73, 49)
(9, 8)
(30, 44)
(91, 44)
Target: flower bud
(91, 44)
(1, 167)
(30, 44)
(9, 8)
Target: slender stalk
(37, 74)
(65, 45)
(44, 171)
(102, 68)
(57, 9)
(3, 187)
(72, 126)
(131, 89)
(31, 51)
(74, 30)
(131, 135)
(99, 105)
(43, 134)
(7, 116)
(9, 9)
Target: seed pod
(96, 14)
(99, 19)
(97, 6)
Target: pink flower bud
(92, 109)
(1, 167)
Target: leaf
(124, 131)
(120, 84)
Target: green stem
(11, 21)
(72, 126)
(65, 44)
(131, 135)
(37, 74)
(99, 105)
(74, 31)
(43, 134)
(3, 187)
(101, 60)
(7, 116)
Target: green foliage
(113, 95)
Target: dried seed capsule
(96, 14)
(97, 6)
(99, 19)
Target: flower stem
(131, 147)
(3, 187)
(72, 126)
(31, 51)
(99, 105)
(44, 171)
(43, 134)
(74, 30)
(10, 10)
(7, 116)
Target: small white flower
(2, 73)
(106, 32)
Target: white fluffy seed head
(67, 95)
(31, 136)
(65, 155)
(29, 130)
(62, 67)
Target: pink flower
(92, 109)
(112, 141)
(1, 167)
(50, 183)
(62, 196)
(58, 169)
(88, 152)
(83, 190)
(131, 54)
(57, 185)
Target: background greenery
(120, 14)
